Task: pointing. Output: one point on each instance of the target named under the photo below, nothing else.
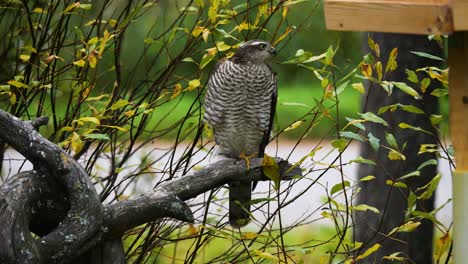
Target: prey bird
(240, 105)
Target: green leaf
(271, 170)
(407, 126)
(365, 207)
(430, 187)
(352, 135)
(408, 90)
(427, 163)
(435, 119)
(439, 92)
(97, 136)
(412, 76)
(206, 59)
(426, 55)
(374, 142)
(119, 104)
(363, 160)
(395, 257)
(356, 122)
(391, 140)
(339, 186)
(367, 178)
(17, 84)
(409, 175)
(329, 56)
(424, 84)
(396, 184)
(411, 108)
(369, 116)
(339, 144)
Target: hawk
(240, 105)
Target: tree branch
(73, 221)
(85, 215)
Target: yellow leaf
(378, 69)
(119, 104)
(112, 22)
(71, 7)
(25, 57)
(442, 244)
(76, 142)
(243, 26)
(92, 59)
(197, 31)
(205, 35)
(39, 10)
(265, 255)
(271, 170)
(395, 155)
(192, 230)
(121, 129)
(392, 64)
(366, 70)
(130, 113)
(193, 84)
(285, 34)
(249, 235)
(177, 90)
(213, 11)
(90, 119)
(80, 63)
(359, 87)
(93, 40)
(12, 98)
(369, 251)
(17, 84)
(221, 46)
(294, 125)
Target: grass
(309, 244)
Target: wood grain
(399, 16)
(460, 17)
(458, 78)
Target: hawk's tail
(240, 194)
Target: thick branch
(165, 201)
(83, 226)
(85, 215)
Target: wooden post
(458, 80)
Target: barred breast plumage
(239, 105)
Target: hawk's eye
(262, 46)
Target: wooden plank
(460, 17)
(402, 16)
(458, 81)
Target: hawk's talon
(247, 158)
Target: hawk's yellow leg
(247, 158)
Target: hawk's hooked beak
(273, 50)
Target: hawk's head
(256, 51)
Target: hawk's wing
(266, 134)
(214, 112)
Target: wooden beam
(460, 18)
(401, 16)
(458, 82)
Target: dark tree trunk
(371, 228)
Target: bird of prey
(240, 106)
